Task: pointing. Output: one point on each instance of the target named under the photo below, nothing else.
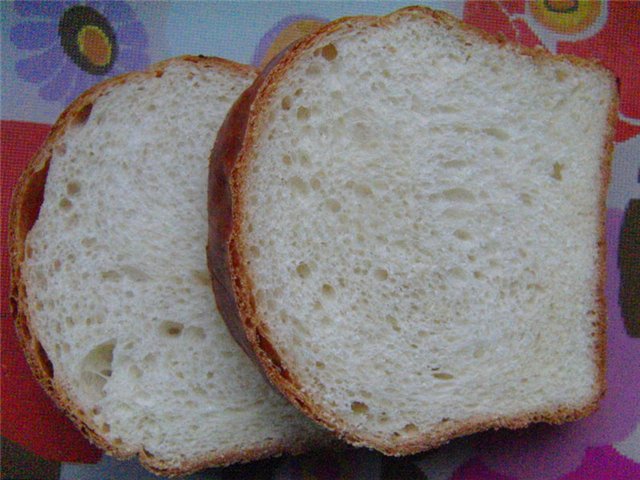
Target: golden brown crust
(605, 177)
(220, 256)
(27, 199)
(233, 281)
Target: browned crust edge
(25, 205)
(232, 281)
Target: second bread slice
(413, 229)
(115, 308)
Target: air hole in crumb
(65, 203)
(359, 407)
(535, 286)
(454, 164)
(442, 376)
(286, 159)
(149, 359)
(315, 184)
(96, 369)
(526, 198)
(410, 428)
(110, 275)
(329, 52)
(363, 190)
(458, 272)
(303, 113)
(88, 242)
(498, 133)
(561, 75)
(73, 188)
(458, 195)
(135, 273)
(305, 161)
(456, 213)
(286, 103)
(135, 371)
(393, 322)
(381, 274)
(106, 428)
(557, 171)
(171, 329)
(461, 129)
(320, 365)
(334, 205)
(462, 234)
(284, 318)
(202, 277)
(314, 69)
(298, 184)
(298, 92)
(303, 270)
(328, 291)
(477, 274)
(195, 333)
(499, 152)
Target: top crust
(25, 206)
(233, 285)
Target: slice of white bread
(413, 229)
(114, 303)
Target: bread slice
(114, 303)
(413, 229)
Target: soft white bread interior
(417, 230)
(116, 310)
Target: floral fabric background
(52, 51)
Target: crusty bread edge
(26, 201)
(233, 283)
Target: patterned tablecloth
(52, 51)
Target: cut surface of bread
(114, 303)
(413, 229)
